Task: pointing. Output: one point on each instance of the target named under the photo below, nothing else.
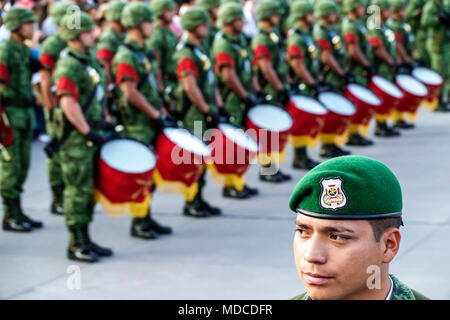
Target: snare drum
(232, 153)
(270, 127)
(365, 101)
(125, 177)
(181, 161)
(309, 118)
(338, 118)
(389, 93)
(433, 81)
(413, 93)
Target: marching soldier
(134, 68)
(269, 64)
(77, 121)
(436, 22)
(404, 41)
(233, 69)
(212, 7)
(357, 51)
(198, 100)
(16, 68)
(349, 202)
(382, 41)
(413, 15)
(302, 58)
(332, 59)
(48, 56)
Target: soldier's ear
(390, 242)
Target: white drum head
(364, 94)
(427, 76)
(337, 103)
(187, 141)
(388, 87)
(413, 86)
(269, 117)
(239, 137)
(128, 156)
(308, 104)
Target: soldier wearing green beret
(198, 100)
(413, 15)
(269, 64)
(212, 7)
(16, 68)
(382, 41)
(77, 123)
(234, 78)
(164, 42)
(436, 21)
(349, 210)
(134, 70)
(110, 39)
(48, 56)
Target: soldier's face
(385, 14)
(147, 28)
(332, 18)
(275, 19)
(27, 30)
(213, 12)
(202, 31)
(309, 18)
(401, 13)
(333, 256)
(87, 38)
(360, 11)
(169, 14)
(238, 25)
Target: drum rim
(441, 79)
(383, 79)
(207, 152)
(334, 106)
(407, 76)
(266, 105)
(317, 103)
(136, 142)
(349, 86)
(253, 148)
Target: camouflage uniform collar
(229, 36)
(13, 42)
(84, 57)
(297, 27)
(133, 45)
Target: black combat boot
(251, 191)
(35, 224)
(196, 208)
(402, 124)
(79, 245)
(330, 150)
(383, 130)
(443, 107)
(12, 221)
(357, 140)
(276, 177)
(301, 159)
(214, 211)
(158, 228)
(56, 207)
(100, 251)
(232, 192)
(141, 228)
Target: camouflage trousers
(235, 109)
(440, 61)
(53, 164)
(420, 50)
(77, 164)
(13, 173)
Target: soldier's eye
(338, 237)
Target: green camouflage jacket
(108, 44)
(50, 50)
(412, 16)
(384, 37)
(403, 34)
(435, 30)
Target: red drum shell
(410, 101)
(364, 109)
(434, 87)
(306, 123)
(336, 122)
(389, 101)
(265, 136)
(120, 186)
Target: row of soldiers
(142, 76)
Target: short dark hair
(379, 226)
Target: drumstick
(5, 153)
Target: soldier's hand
(349, 77)
(371, 70)
(249, 103)
(420, 63)
(224, 116)
(212, 120)
(314, 89)
(96, 138)
(283, 96)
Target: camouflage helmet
(397, 5)
(382, 4)
(70, 29)
(114, 10)
(135, 13)
(16, 16)
(208, 4)
(59, 9)
(350, 5)
(161, 6)
(299, 9)
(230, 11)
(324, 8)
(267, 8)
(193, 17)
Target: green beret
(16, 16)
(193, 17)
(69, 28)
(348, 187)
(266, 8)
(59, 10)
(350, 5)
(208, 4)
(323, 8)
(161, 6)
(397, 4)
(135, 13)
(114, 10)
(382, 4)
(228, 12)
